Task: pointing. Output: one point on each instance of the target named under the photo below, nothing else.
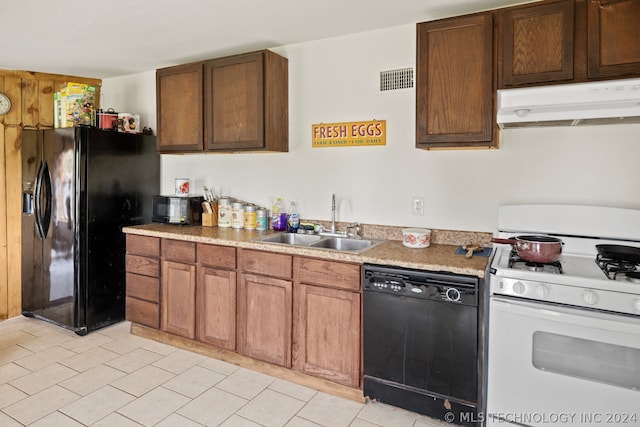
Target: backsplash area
(388, 232)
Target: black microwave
(183, 210)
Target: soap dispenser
(293, 219)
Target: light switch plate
(418, 205)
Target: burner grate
(613, 267)
(516, 262)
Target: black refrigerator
(80, 186)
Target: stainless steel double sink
(341, 244)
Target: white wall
(336, 80)
(132, 94)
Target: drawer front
(142, 245)
(178, 250)
(328, 273)
(142, 265)
(265, 263)
(143, 287)
(217, 256)
(142, 312)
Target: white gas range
(564, 338)
(578, 280)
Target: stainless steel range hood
(603, 102)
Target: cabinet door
(613, 38)
(179, 299)
(264, 318)
(327, 334)
(455, 83)
(234, 102)
(179, 108)
(536, 43)
(216, 309)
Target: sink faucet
(356, 227)
(333, 213)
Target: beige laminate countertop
(437, 257)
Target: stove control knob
(590, 297)
(542, 291)
(519, 288)
(636, 304)
(452, 294)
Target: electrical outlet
(418, 205)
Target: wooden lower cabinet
(293, 311)
(216, 307)
(327, 338)
(327, 334)
(179, 298)
(142, 265)
(264, 318)
(143, 297)
(216, 295)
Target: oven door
(555, 364)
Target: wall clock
(5, 104)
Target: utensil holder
(209, 219)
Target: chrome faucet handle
(356, 227)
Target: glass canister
(249, 217)
(237, 215)
(224, 212)
(261, 219)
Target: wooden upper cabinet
(246, 102)
(236, 103)
(613, 38)
(455, 83)
(536, 43)
(179, 103)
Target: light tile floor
(52, 377)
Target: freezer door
(31, 238)
(119, 174)
(58, 189)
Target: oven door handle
(574, 316)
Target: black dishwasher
(421, 341)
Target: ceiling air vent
(396, 79)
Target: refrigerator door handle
(46, 219)
(37, 201)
